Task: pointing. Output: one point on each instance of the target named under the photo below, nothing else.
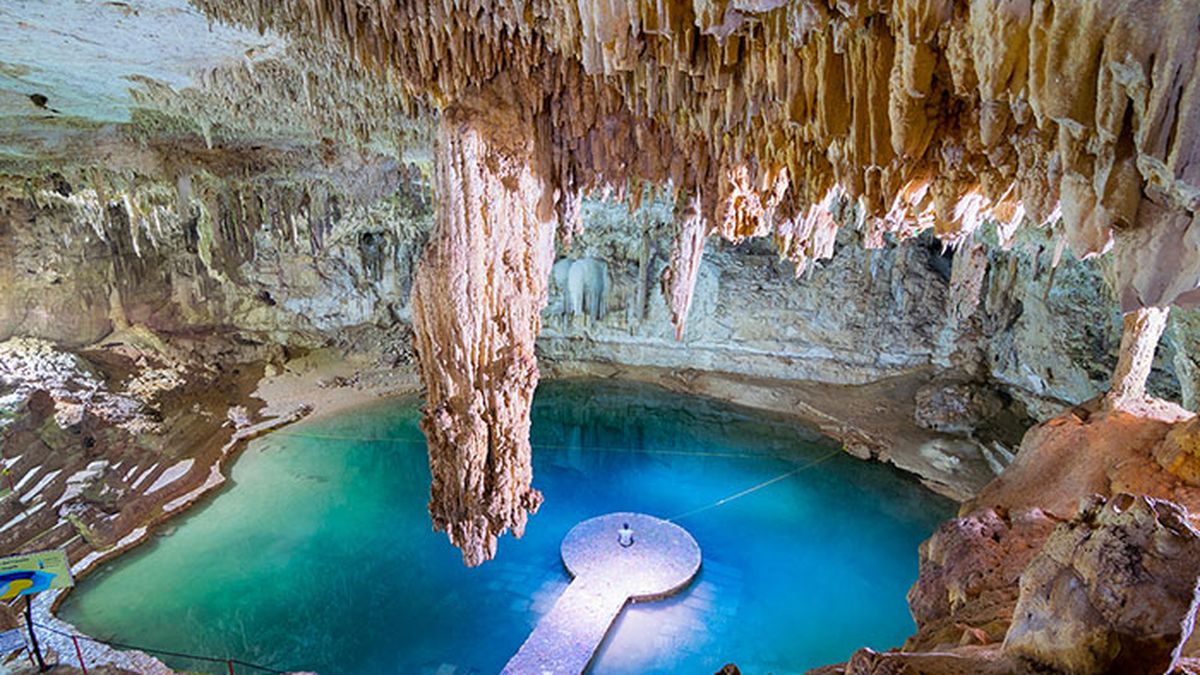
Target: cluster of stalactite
(769, 118)
(925, 113)
(215, 216)
(306, 90)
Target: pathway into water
(320, 557)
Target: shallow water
(321, 556)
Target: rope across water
(767, 483)
(720, 502)
(535, 446)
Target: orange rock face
(1112, 591)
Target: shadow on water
(322, 557)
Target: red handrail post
(79, 653)
(229, 662)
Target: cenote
(320, 555)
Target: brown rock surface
(1114, 590)
(967, 587)
(1108, 587)
(1087, 450)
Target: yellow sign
(33, 573)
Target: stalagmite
(1139, 340)
(476, 306)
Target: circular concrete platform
(663, 559)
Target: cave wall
(74, 276)
(1046, 335)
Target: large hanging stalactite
(476, 305)
(687, 250)
(791, 119)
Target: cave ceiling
(1074, 114)
(771, 118)
(83, 59)
(1077, 120)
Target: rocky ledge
(1066, 566)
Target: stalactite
(928, 114)
(1139, 340)
(792, 119)
(683, 268)
(476, 303)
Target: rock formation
(1112, 591)
(1057, 566)
(249, 206)
(477, 304)
(925, 114)
(791, 119)
(1143, 328)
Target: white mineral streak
(142, 478)
(21, 517)
(171, 475)
(37, 489)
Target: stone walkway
(662, 561)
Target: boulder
(956, 407)
(1112, 591)
(1179, 453)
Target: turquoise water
(321, 556)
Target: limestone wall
(1045, 335)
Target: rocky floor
(103, 444)
(971, 569)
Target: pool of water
(321, 557)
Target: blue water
(321, 557)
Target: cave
(346, 336)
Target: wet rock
(1114, 590)
(960, 661)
